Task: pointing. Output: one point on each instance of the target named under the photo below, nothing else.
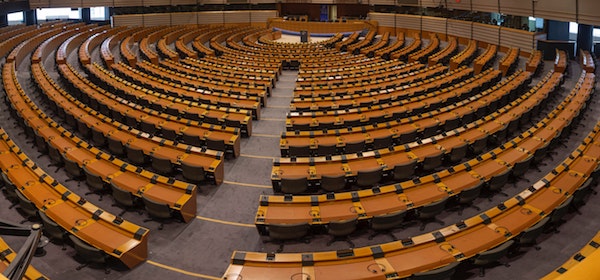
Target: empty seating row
(345, 97)
(383, 42)
(561, 61)
(150, 121)
(422, 54)
(405, 51)
(385, 52)
(535, 62)
(510, 61)
(457, 242)
(200, 95)
(63, 147)
(581, 265)
(210, 114)
(466, 56)
(586, 59)
(408, 127)
(443, 56)
(425, 151)
(113, 235)
(392, 105)
(486, 59)
(366, 41)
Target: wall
(258, 18)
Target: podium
(304, 36)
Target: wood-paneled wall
(258, 18)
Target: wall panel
(125, 3)
(34, 4)
(184, 2)
(486, 6)
(517, 38)
(408, 22)
(236, 16)
(589, 12)
(434, 24)
(383, 19)
(262, 16)
(462, 5)
(127, 20)
(210, 18)
(97, 3)
(486, 33)
(183, 18)
(563, 10)
(516, 7)
(157, 19)
(381, 2)
(460, 28)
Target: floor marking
(225, 222)
(199, 275)
(265, 135)
(248, 185)
(278, 107)
(257, 156)
(272, 119)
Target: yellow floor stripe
(224, 222)
(272, 119)
(278, 107)
(199, 275)
(265, 135)
(256, 156)
(248, 185)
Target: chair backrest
(493, 254)
(540, 153)
(148, 127)
(157, 209)
(217, 145)
(470, 194)
(294, 185)
(135, 155)
(444, 272)
(522, 166)
(299, 151)
(94, 181)
(54, 154)
(498, 181)
(26, 205)
(192, 172)
(382, 142)
(479, 145)
(72, 169)
(193, 140)
(52, 229)
(405, 171)
(432, 209)
(560, 211)
(11, 189)
(529, 235)
(342, 228)
(388, 221)
(429, 131)
(407, 137)
(98, 138)
(83, 129)
(458, 153)
(333, 183)
(325, 150)
(122, 196)
(580, 194)
(162, 165)
(86, 252)
(168, 133)
(354, 147)
(115, 146)
(369, 178)
(433, 161)
(288, 231)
